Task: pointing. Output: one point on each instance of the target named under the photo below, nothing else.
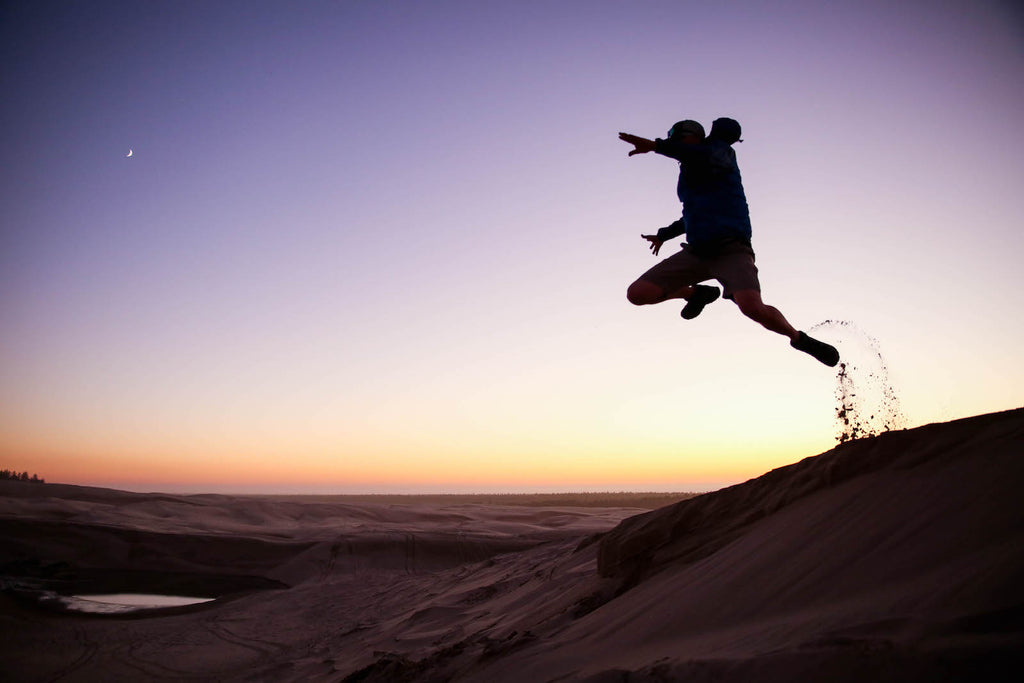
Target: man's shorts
(732, 265)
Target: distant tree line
(23, 476)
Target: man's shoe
(826, 353)
(702, 296)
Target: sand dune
(895, 558)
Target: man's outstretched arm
(640, 145)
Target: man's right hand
(640, 145)
(655, 243)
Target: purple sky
(386, 245)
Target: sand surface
(894, 558)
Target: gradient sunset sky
(384, 246)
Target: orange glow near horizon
(403, 465)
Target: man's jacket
(711, 190)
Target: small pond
(121, 603)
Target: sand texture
(893, 558)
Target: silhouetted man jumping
(716, 221)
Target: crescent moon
(130, 152)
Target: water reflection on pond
(118, 603)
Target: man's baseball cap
(686, 127)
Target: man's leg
(675, 278)
(643, 292)
(751, 305)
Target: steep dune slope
(985, 446)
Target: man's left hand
(655, 243)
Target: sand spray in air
(866, 403)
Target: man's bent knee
(642, 292)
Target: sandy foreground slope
(894, 558)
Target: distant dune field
(608, 499)
(892, 558)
